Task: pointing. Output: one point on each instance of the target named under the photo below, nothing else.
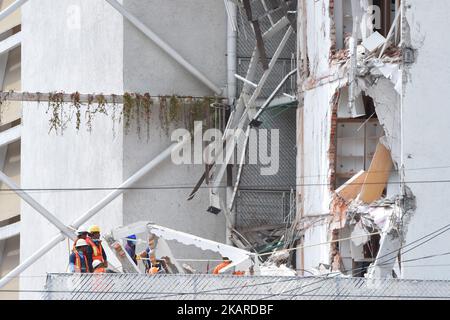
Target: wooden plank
(377, 175)
(352, 188)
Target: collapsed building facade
(369, 157)
(359, 189)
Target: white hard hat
(80, 243)
(82, 229)
(96, 263)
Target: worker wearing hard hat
(98, 266)
(98, 253)
(82, 234)
(78, 260)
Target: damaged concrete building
(360, 188)
(373, 83)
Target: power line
(180, 187)
(438, 231)
(212, 291)
(446, 228)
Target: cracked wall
(314, 161)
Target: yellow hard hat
(94, 228)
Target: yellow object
(94, 228)
(153, 270)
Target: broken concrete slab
(347, 111)
(359, 235)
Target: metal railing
(225, 287)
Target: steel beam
(10, 135)
(13, 7)
(30, 260)
(11, 42)
(164, 46)
(9, 231)
(91, 212)
(250, 105)
(128, 183)
(266, 74)
(247, 135)
(37, 206)
(236, 114)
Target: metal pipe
(164, 46)
(247, 133)
(129, 182)
(269, 100)
(250, 104)
(266, 74)
(13, 7)
(91, 212)
(231, 51)
(254, 85)
(30, 260)
(37, 206)
(232, 11)
(11, 42)
(391, 31)
(9, 231)
(268, 13)
(10, 135)
(231, 15)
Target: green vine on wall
(56, 106)
(134, 110)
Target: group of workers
(88, 255)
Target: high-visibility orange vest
(97, 253)
(78, 262)
(100, 270)
(221, 266)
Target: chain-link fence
(264, 200)
(224, 287)
(246, 43)
(263, 208)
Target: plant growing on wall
(173, 110)
(56, 108)
(75, 97)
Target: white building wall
(197, 30)
(318, 39)
(425, 131)
(70, 45)
(114, 58)
(317, 114)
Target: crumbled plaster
(387, 105)
(410, 46)
(409, 205)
